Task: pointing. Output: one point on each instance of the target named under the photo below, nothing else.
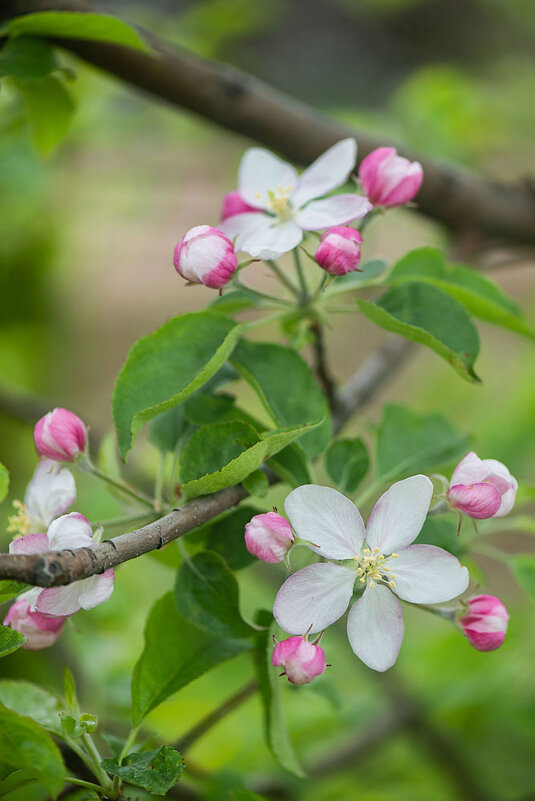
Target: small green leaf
(69, 687)
(235, 301)
(429, 316)
(10, 640)
(50, 109)
(10, 589)
(347, 463)
(163, 369)
(291, 465)
(226, 537)
(32, 701)
(4, 487)
(256, 484)
(75, 25)
(24, 745)
(287, 388)
(76, 727)
(156, 771)
(523, 567)
(27, 58)
(207, 595)
(176, 652)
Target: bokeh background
(86, 240)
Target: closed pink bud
(233, 204)
(389, 179)
(60, 435)
(339, 250)
(485, 622)
(268, 537)
(205, 256)
(302, 660)
(41, 631)
(482, 488)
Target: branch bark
(460, 199)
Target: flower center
(372, 567)
(21, 522)
(278, 202)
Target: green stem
(286, 281)
(264, 295)
(95, 757)
(89, 760)
(125, 751)
(88, 467)
(301, 275)
(88, 785)
(250, 326)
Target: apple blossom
(379, 560)
(67, 532)
(206, 256)
(49, 494)
(482, 488)
(302, 660)
(269, 537)
(286, 204)
(40, 630)
(60, 435)
(234, 204)
(389, 179)
(339, 251)
(485, 622)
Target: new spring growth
(301, 660)
(339, 250)
(60, 435)
(206, 256)
(269, 537)
(484, 622)
(389, 179)
(482, 488)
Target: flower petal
(70, 531)
(330, 170)
(330, 211)
(96, 590)
(327, 519)
(50, 492)
(375, 628)
(270, 242)
(60, 601)
(261, 171)
(470, 470)
(425, 574)
(240, 225)
(31, 543)
(399, 514)
(314, 597)
(480, 500)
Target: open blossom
(485, 622)
(389, 179)
(205, 256)
(339, 250)
(69, 531)
(287, 204)
(40, 630)
(302, 660)
(482, 488)
(60, 435)
(378, 559)
(268, 537)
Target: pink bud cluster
(485, 622)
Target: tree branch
(459, 199)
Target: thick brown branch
(461, 200)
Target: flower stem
(286, 281)
(95, 757)
(264, 295)
(82, 783)
(250, 326)
(88, 467)
(301, 275)
(124, 519)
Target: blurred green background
(86, 241)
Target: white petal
(240, 225)
(470, 470)
(327, 519)
(335, 210)
(315, 596)
(31, 543)
(271, 242)
(96, 590)
(31, 597)
(375, 627)
(399, 514)
(60, 601)
(50, 492)
(330, 170)
(425, 574)
(70, 531)
(261, 171)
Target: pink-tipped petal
(425, 574)
(31, 543)
(375, 628)
(205, 255)
(60, 601)
(389, 179)
(70, 531)
(478, 501)
(233, 204)
(329, 171)
(268, 537)
(96, 590)
(336, 210)
(302, 660)
(41, 631)
(60, 435)
(398, 516)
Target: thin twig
(321, 367)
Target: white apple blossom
(380, 560)
(288, 204)
(51, 491)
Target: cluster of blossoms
(372, 567)
(43, 525)
(274, 207)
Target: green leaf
(16, 779)
(10, 640)
(291, 465)
(409, 443)
(156, 771)
(270, 685)
(76, 727)
(4, 487)
(176, 652)
(27, 58)
(226, 536)
(429, 316)
(350, 282)
(347, 463)
(74, 25)
(243, 794)
(10, 589)
(32, 701)
(236, 447)
(256, 484)
(207, 595)
(235, 301)
(69, 688)
(168, 428)
(24, 745)
(481, 296)
(441, 530)
(287, 388)
(163, 369)
(50, 109)
(523, 567)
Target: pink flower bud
(482, 488)
(233, 203)
(302, 660)
(389, 179)
(205, 256)
(42, 631)
(339, 251)
(485, 622)
(60, 435)
(268, 537)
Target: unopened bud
(302, 660)
(269, 537)
(60, 435)
(339, 251)
(485, 622)
(205, 256)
